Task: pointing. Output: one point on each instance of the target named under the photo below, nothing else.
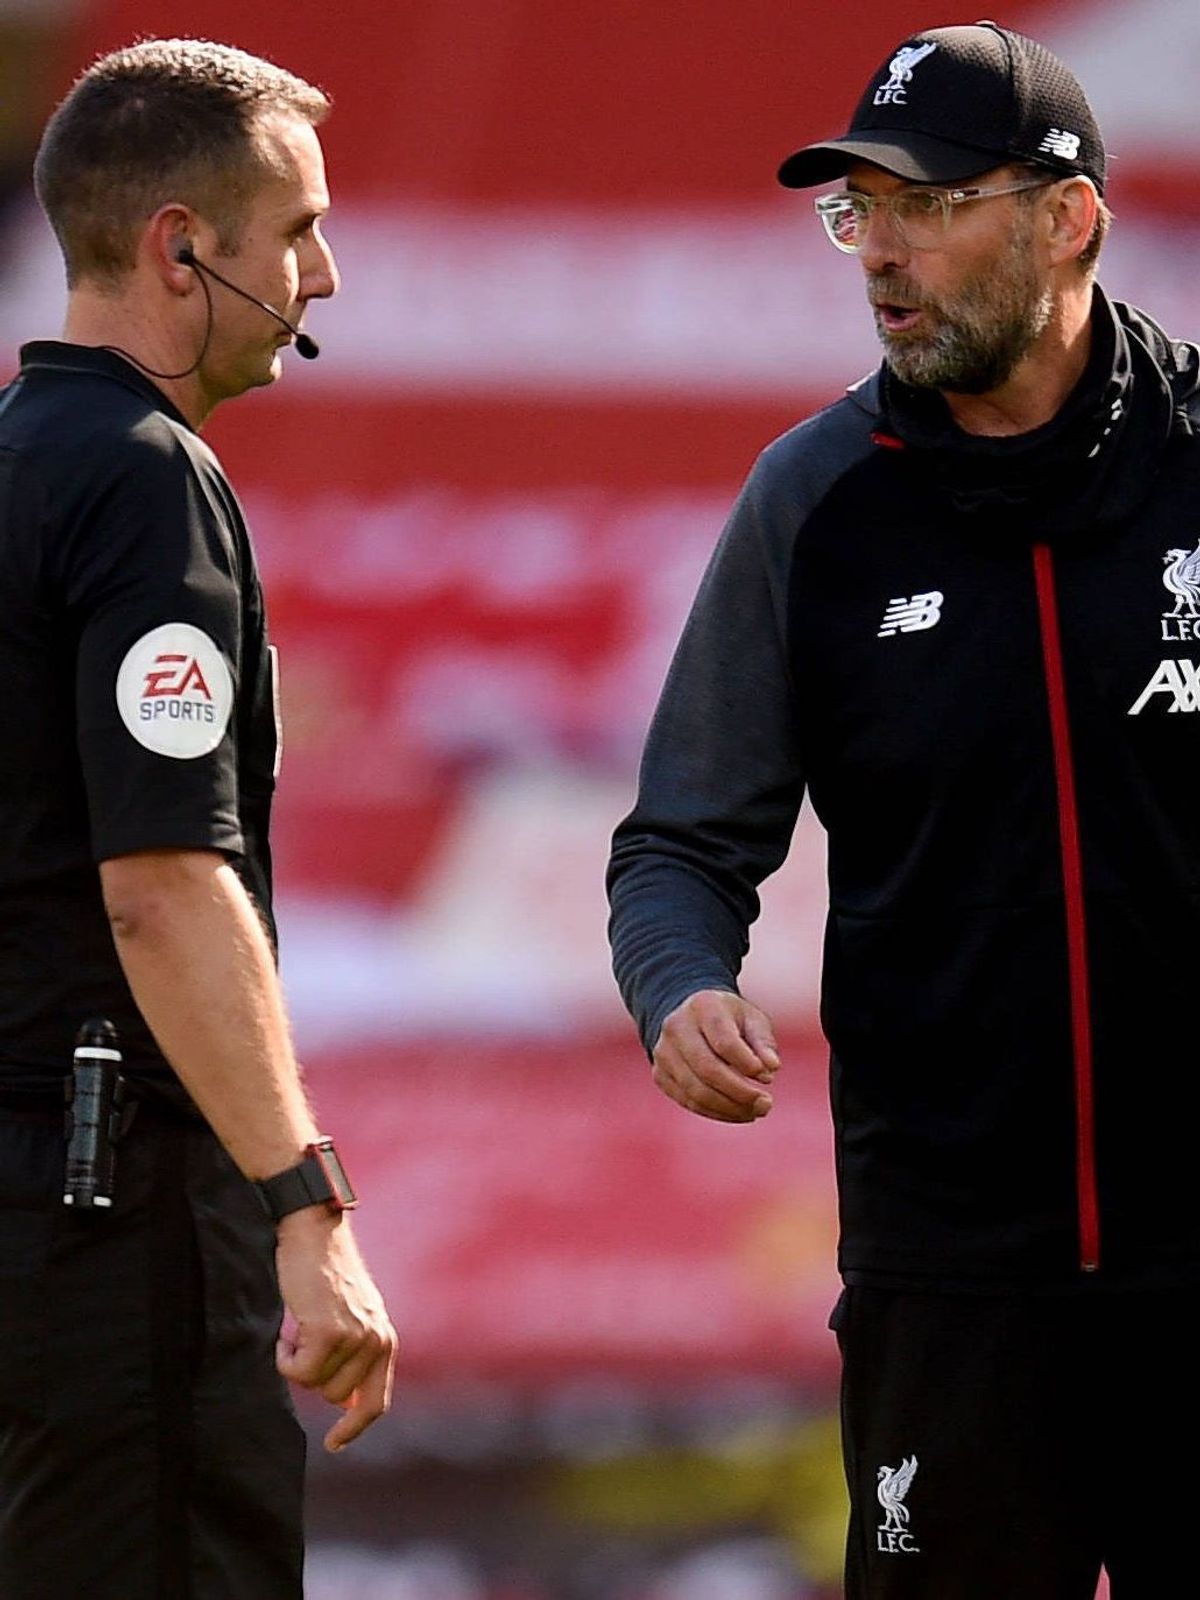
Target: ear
(1073, 209)
(169, 230)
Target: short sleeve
(150, 577)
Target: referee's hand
(340, 1340)
(717, 1056)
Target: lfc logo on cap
(893, 92)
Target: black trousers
(148, 1448)
(1006, 1449)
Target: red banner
(537, 1210)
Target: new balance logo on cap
(1060, 143)
(912, 616)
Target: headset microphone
(306, 345)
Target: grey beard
(965, 355)
(981, 335)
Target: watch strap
(308, 1183)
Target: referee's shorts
(148, 1448)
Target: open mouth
(897, 318)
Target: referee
(148, 1449)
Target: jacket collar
(1087, 468)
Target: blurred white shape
(509, 930)
(726, 304)
(750, 1569)
(519, 298)
(417, 1572)
(1139, 61)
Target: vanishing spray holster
(96, 1117)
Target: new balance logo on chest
(913, 615)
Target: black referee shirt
(137, 691)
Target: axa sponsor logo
(1178, 682)
(894, 91)
(893, 1536)
(912, 614)
(174, 691)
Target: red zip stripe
(1077, 955)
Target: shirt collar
(97, 361)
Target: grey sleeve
(721, 781)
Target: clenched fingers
(724, 1100)
(353, 1370)
(364, 1404)
(714, 1056)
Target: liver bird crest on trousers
(893, 1485)
(1182, 578)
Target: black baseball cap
(951, 102)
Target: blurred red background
(575, 306)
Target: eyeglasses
(920, 217)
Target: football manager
(149, 1244)
(961, 609)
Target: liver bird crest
(1182, 578)
(902, 63)
(893, 1485)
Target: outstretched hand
(717, 1056)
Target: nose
(319, 276)
(881, 247)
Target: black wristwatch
(319, 1180)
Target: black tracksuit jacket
(981, 659)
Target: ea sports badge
(174, 692)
